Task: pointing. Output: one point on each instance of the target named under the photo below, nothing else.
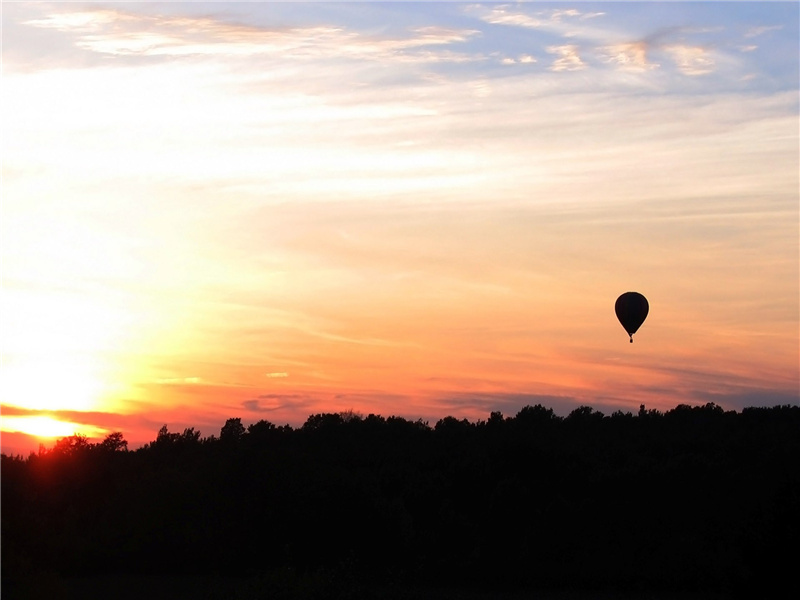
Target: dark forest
(693, 501)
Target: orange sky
(266, 211)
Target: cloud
(623, 53)
(504, 15)
(500, 15)
(112, 31)
(691, 60)
(761, 30)
(438, 35)
(569, 59)
(98, 420)
(522, 59)
(630, 56)
(80, 21)
(179, 381)
(376, 402)
(557, 15)
(278, 402)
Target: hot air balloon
(631, 309)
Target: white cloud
(567, 23)
(630, 56)
(82, 21)
(179, 381)
(116, 32)
(569, 58)
(500, 15)
(761, 30)
(504, 15)
(692, 60)
(522, 59)
(557, 14)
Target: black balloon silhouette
(631, 309)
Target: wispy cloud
(93, 423)
(761, 30)
(180, 381)
(692, 60)
(569, 58)
(282, 402)
(117, 32)
(608, 45)
(631, 56)
(554, 18)
(501, 15)
(522, 59)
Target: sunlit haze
(268, 210)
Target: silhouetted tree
(584, 414)
(71, 445)
(114, 442)
(533, 415)
(232, 431)
(260, 428)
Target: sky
(270, 210)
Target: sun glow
(46, 427)
(43, 382)
(59, 349)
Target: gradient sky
(268, 210)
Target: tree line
(694, 499)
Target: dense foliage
(695, 499)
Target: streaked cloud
(522, 59)
(761, 30)
(505, 14)
(692, 60)
(569, 58)
(602, 41)
(501, 15)
(91, 423)
(630, 56)
(278, 402)
(116, 32)
(179, 381)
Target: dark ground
(198, 588)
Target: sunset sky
(268, 210)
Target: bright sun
(58, 355)
(48, 383)
(43, 383)
(44, 427)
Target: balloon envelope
(631, 309)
